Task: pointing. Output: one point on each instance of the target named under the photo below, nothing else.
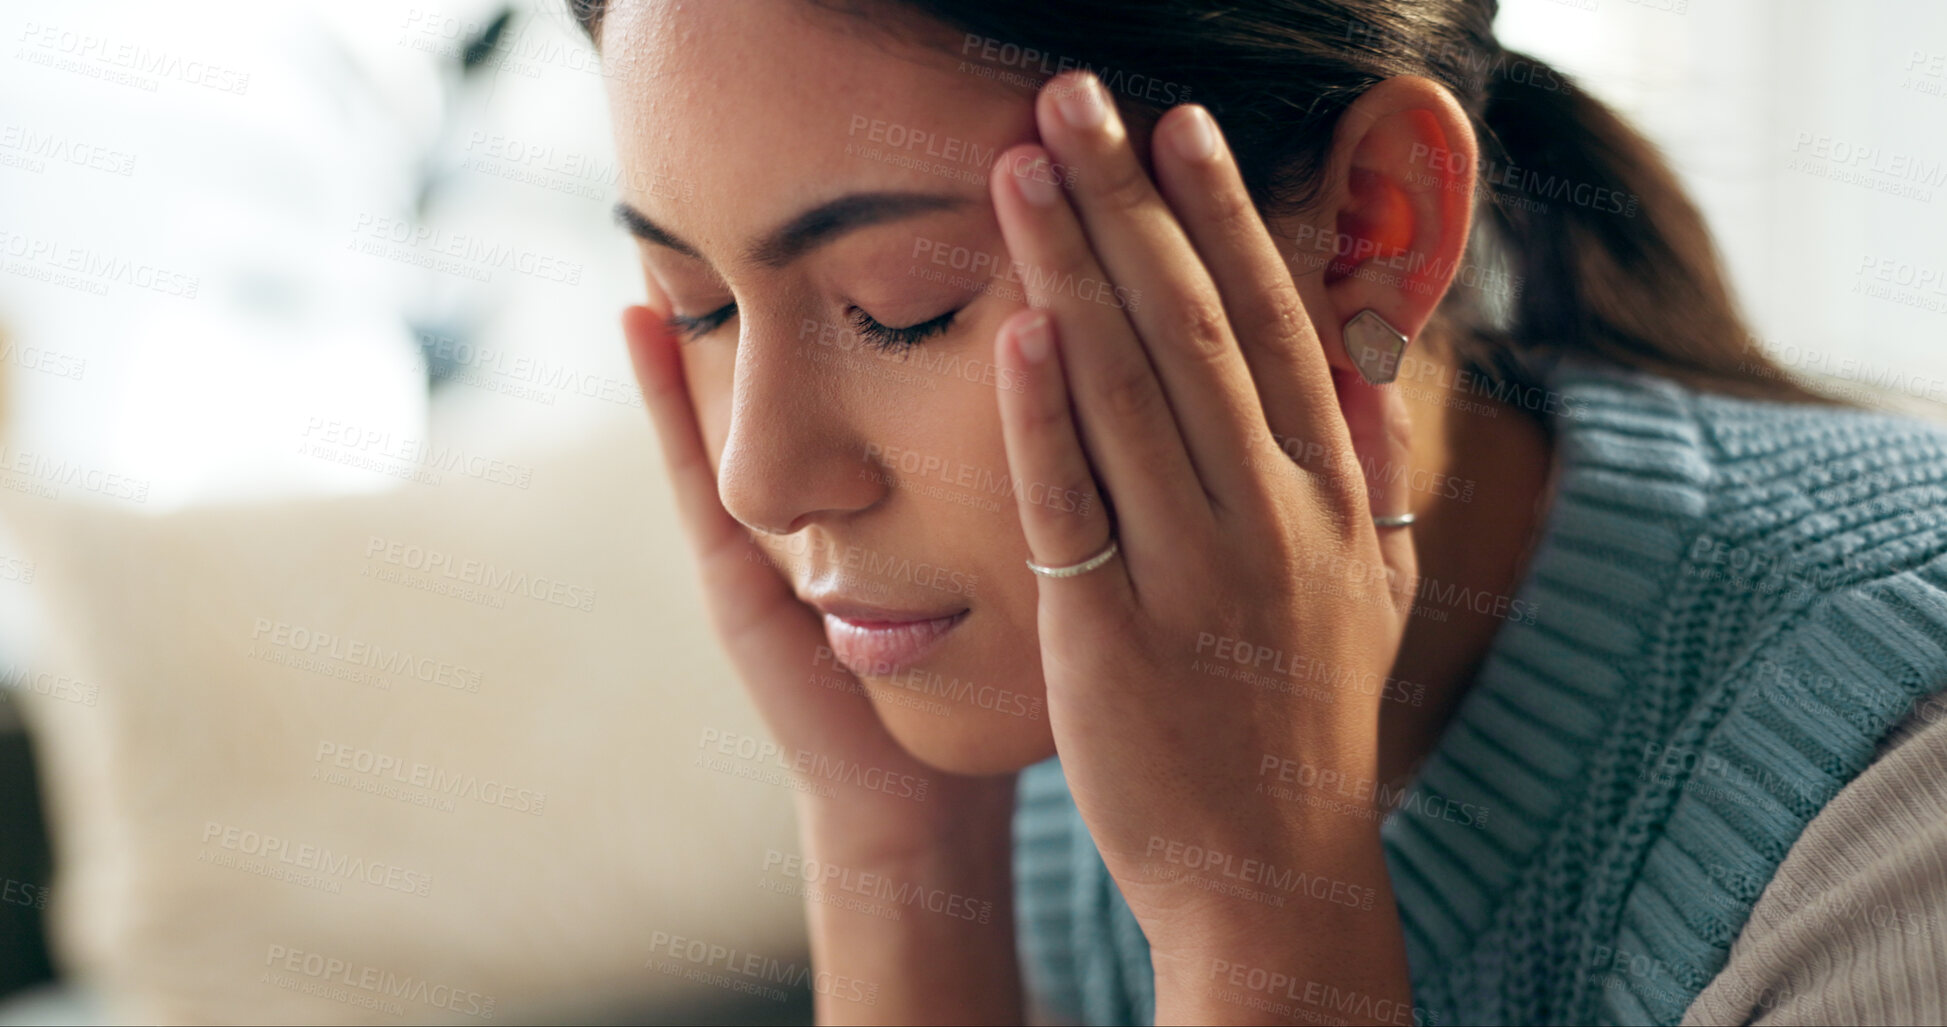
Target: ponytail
(1610, 256)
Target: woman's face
(832, 185)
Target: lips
(874, 642)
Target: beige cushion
(544, 819)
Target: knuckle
(1234, 215)
(1125, 186)
(1318, 458)
(1325, 508)
(1199, 326)
(1322, 515)
(1286, 560)
(1131, 393)
(1347, 505)
(1074, 255)
(1268, 513)
(1064, 260)
(1280, 320)
(1043, 420)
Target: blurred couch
(419, 755)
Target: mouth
(875, 642)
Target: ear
(1390, 226)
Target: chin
(967, 740)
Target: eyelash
(691, 328)
(883, 337)
(893, 340)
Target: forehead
(732, 115)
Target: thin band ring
(1108, 553)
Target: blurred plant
(450, 329)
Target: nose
(793, 455)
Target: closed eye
(692, 328)
(883, 337)
(893, 340)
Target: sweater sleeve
(1852, 929)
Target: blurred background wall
(306, 307)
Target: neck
(1473, 550)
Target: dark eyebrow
(807, 231)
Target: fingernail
(1196, 136)
(1083, 105)
(1036, 182)
(1031, 339)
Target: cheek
(943, 441)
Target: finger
(657, 358)
(1054, 489)
(1178, 310)
(1126, 423)
(1274, 331)
(1381, 430)
(724, 549)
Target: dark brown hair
(1584, 238)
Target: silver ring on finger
(1400, 521)
(1071, 570)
